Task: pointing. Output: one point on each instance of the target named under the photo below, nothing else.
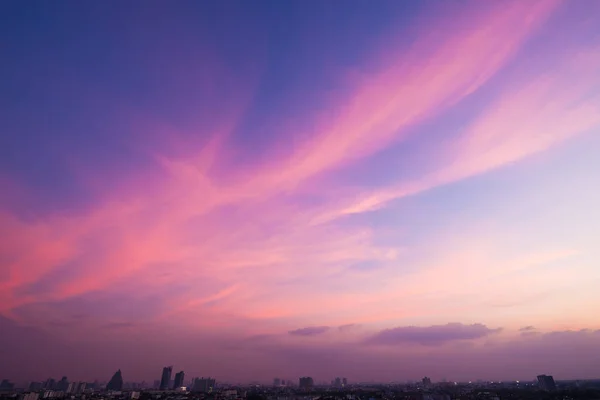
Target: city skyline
(384, 190)
(544, 382)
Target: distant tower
(63, 384)
(344, 381)
(546, 382)
(205, 385)
(276, 382)
(178, 380)
(426, 382)
(50, 384)
(306, 382)
(116, 382)
(166, 378)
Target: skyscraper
(6, 385)
(306, 382)
(178, 380)
(546, 382)
(166, 377)
(204, 385)
(50, 384)
(116, 382)
(63, 384)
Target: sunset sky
(379, 190)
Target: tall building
(116, 382)
(276, 382)
(178, 380)
(205, 385)
(344, 381)
(6, 385)
(63, 384)
(546, 382)
(337, 382)
(166, 378)
(426, 382)
(306, 382)
(50, 384)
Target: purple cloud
(430, 335)
(527, 328)
(309, 331)
(347, 327)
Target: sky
(379, 190)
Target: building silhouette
(306, 382)
(426, 381)
(63, 384)
(205, 385)
(50, 384)
(166, 378)
(6, 385)
(546, 382)
(276, 382)
(116, 382)
(178, 380)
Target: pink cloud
(525, 120)
(447, 64)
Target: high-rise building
(337, 382)
(344, 381)
(63, 384)
(166, 378)
(426, 381)
(50, 384)
(306, 382)
(178, 380)
(116, 382)
(546, 382)
(276, 382)
(205, 385)
(6, 385)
